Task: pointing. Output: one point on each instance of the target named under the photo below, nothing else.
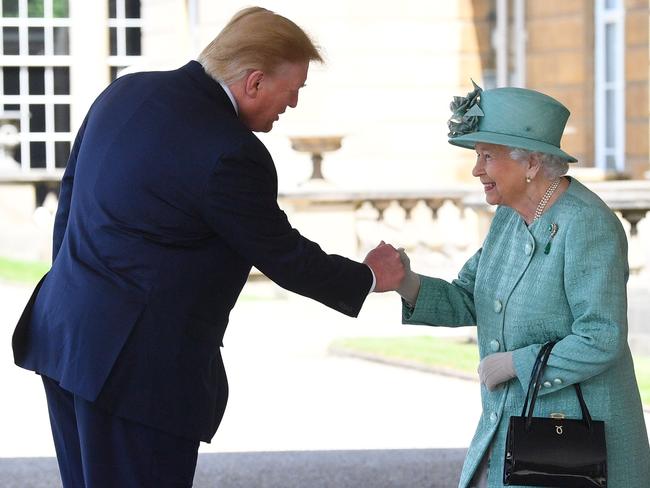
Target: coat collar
(209, 85)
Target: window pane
(61, 153)
(611, 4)
(133, 41)
(37, 154)
(61, 80)
(10, 40)
(36, 80)
(610, 162)
(10, 8)
(132, 8)
(36, 36)
(610, 118)
(61, 8)
(36, 118)
(112, 13)
(11, 77)
(610, 52)
(61, 41)
(35, 8)
(11, 107)
(112, 34)
(61, 118)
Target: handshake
(392, 269)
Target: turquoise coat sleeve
(595, 277)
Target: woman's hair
(256, 39)
(552, 166)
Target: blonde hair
(256, 39)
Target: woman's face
(503, 178)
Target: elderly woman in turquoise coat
(553, 267)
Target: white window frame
(605, 17)
(120, 23)
(48, 61)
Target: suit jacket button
(547, 384)
(493, 417)
(494, 345)
(497, 306)
(528, 248)
(557, 381)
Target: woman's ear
(252, 83)
(534, 165)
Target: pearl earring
(528, 179)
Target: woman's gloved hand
(495, 369)
(410, 285)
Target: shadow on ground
(408, 468)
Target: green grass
(454, 354)
(16, 271)
(428, 351)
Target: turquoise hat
(514, 117)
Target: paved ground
(297, 416)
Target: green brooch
(553, 230)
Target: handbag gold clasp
(557, 415)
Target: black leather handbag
(554, 451)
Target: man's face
(276, 92)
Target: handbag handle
(535, 383)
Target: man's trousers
(98, 450)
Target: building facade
(385, 88)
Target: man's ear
(252, 83)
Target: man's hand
(385, 262)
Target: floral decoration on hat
(466, 113)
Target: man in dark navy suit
(167, 201)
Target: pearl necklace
(547, 196)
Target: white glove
(410, 285)
(496, 369)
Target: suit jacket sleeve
(241, 206)
(65, 194)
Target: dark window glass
(133, 41)
(112, 40)
(36, 37)
(61, 9)
(37, 154)
(10, 40)
(11, 76)
(61, 153)
(18, 155)
(36, 80)
(11, 107)
(35, 8)
(112, 12)
(36, 118)
(10, 8)
(61, 80)
(132, 8)
(61, 41)
(61, 118)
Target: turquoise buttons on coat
(528, 249)
(494, 417)
(494, 345)
(497, 306)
